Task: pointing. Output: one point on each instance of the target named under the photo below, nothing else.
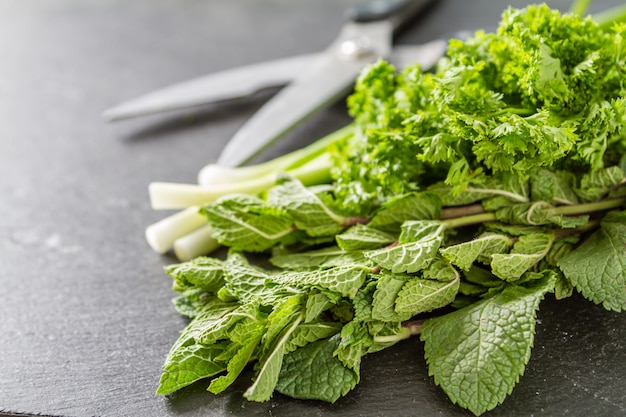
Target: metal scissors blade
(327, 79)
(224, 85)
(368, 37)
(314, 81)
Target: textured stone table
(85, 316)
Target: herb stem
(469, 220)
(454, 212)
(409, 328)
(414, 326)
(589, 207)
(351, 221)
(457, 216)
(520, 111)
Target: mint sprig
(478, 353)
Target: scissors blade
(224, 85)
(329, 77)
(329, 80)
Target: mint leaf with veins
(307, 210)
(201, 272)
(345, 280)
(441, 270)
(191, 302)
(249, 283)
(247, 223)
(464, 254)
(526, 252)
(320, 258)
(596, 184)
(236, 364)
(189, 364)
(355, 342)
(315, 373)
(384, 300)
(597, 268)
(420, 295)
(285, 312)
(363, 300)
(450, 198)
(477, 354)
(415, 230)
(215, 319)
(361, 237)
(418, 245)
(269, 371)
(513, 187)
(307, 333)
(555, 187)
(538, 213)
(316, 303)
(414, 206)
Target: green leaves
(188, 365)
(544, 92)
(423, 295)
(320, 258)
(596, 184)
(362, 237)
(476, 189)
(346, 280)
(553, 187)
(384, 301)
(247, 223)
(414, 206)
(597, 268)
(339, 292)
(464, 254)
(314, 373)
(478, 353)
(526, 252)
(235, 365)
(267, 376)
(202, 272)
(306, 209)
(417, 246)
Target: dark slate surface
(85, 316)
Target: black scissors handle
(398, 12)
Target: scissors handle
(398, 12)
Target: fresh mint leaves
(478, 353)
(417, 245)
(460, 199)
(314, 372)
(597, 268)
(247, 223)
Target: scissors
(313, 81)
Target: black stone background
(85, 312)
